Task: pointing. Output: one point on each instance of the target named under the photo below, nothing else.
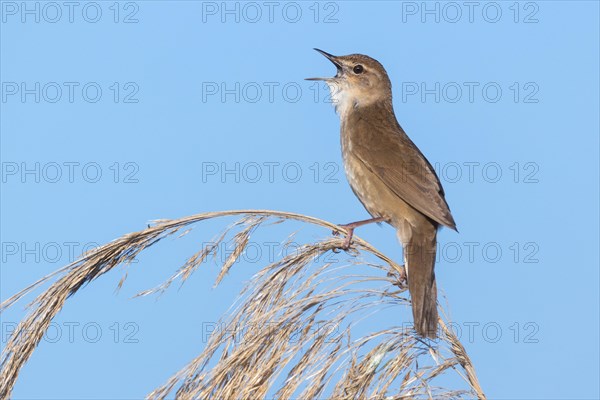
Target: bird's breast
(363, 185)
(377, 198)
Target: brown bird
(390, 176)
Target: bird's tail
(419, 259)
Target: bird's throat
(342, 98)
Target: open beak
(331, 58)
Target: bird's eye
(358, 69)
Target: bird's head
(360, 80)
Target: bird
(390, 176)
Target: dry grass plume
(290, 335)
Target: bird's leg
(353, 225)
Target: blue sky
(114, 114)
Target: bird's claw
(347, 241)
(336, 232)
(401, 276)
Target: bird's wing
(401, 166)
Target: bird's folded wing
(405, 171)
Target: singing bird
(390, 176)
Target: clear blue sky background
(518, 157)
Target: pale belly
(376, 197)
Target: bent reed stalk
(289, 354)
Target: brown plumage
(390, 176)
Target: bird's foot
(400, 276)
(349, 228)
(349, 234)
